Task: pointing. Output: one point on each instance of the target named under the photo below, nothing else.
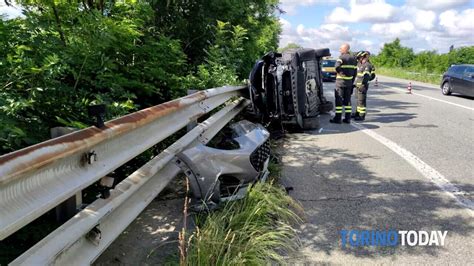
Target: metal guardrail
(36, 179)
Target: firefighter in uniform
(346, 67)
(365, 73)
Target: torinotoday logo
(387, 238)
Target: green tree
(65, 55)
(395, 55)
(257, 17)
(289, 46)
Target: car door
(456, 78)
(467, 82)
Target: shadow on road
(390, 118)
(461, 96)
(353, 197)
(379, 109)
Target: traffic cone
(409, 87)
(376, 82)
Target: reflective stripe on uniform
(338, 109)
(342, 77)
(348, 109)
(361, 74)
(359, 83)
(348, 66)
(361, 109)
(339, 60)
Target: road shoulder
(346, 180)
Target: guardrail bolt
(98, 112)
(105, 184)
(94, 235)
(91, 157)
(105, 193)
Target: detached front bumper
(217, 174)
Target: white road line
(429, 97)
(422, 167)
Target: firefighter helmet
(361, 54)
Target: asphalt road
(409, 166)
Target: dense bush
(394, 55)
(62, 56)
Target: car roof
(470, 65)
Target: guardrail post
(69, 207)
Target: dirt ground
(152, 239)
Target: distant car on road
(328, 69)
(458, 79)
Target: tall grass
(423, 76)
(253, 231)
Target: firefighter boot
(355, 115)
(336, 119)
(347, 118)
(360, 118)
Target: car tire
(325, 107)
(446, 88)
(311, 123)
(322, 52)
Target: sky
(368, 24)
(9, 11)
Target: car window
(457, 70)
(452, 69)
(469, 71)
(329, 63)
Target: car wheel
(311, 123)
(322, 52)
(446, 88)
(325, 107)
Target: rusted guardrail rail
(36, 179)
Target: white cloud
(436, 4)
(9, 11)
(289, 6)
(419, 27)
(402, 30)
(325, 36)
(424, 19)
(436, 40)
(458, 23)
(285, 24)
(362, 11)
